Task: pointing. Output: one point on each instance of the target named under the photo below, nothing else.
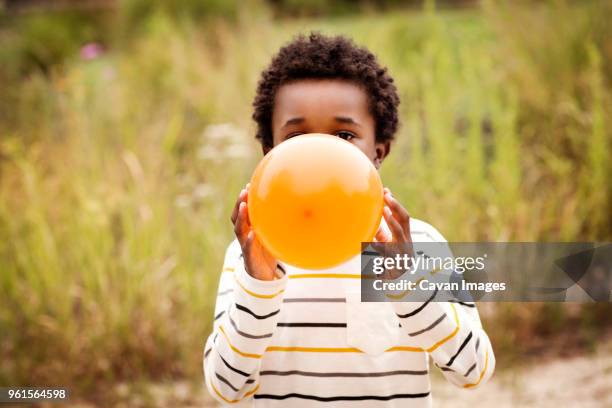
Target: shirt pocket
(372, 327)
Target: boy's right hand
(258, 262)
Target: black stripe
(312, 300)
(311, 324)
(465, 342)
(314, 374)
(229, 384)
(207, 352)
(341, 398)
(428, 328)
(250, 381)
(418, 309)
(247, 335)
(463, 303)
(247, 310)
(477, 344)
(219, 315)
(444, 368)
(232, 368)
(470, 370)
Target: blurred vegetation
(120, 161)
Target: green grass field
(118, 174)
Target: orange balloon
(313, 199)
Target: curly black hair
(323, 57)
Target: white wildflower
(182, 201)
(202, 191)
(223, 131)
(208, 153)
(237, 151)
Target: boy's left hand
(398, 220)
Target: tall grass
(117, 174)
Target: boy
(288, 336)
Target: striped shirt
(306, 339)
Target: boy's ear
(382, 150)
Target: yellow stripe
(315, 349)
(242, 353)
(434, 271)
(332, 276)
(481, 374)
(405, 348)
(325, 275)
(450, 336)
(228, 269)
(404, 293)
(401, 295)
(229, 401)
(258, 295)
(398, 296)
(336, 349)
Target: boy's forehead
(320, 96)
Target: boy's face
(335, 107)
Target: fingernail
(387, 211)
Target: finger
(236, 205)
(396, 229)
(240, 198)
(248, 240)
(378, 249)
(246, 249)
(399, 212)
(403, 215)
(383, 234)
(241, 228)
(245, 199)
(246, 210)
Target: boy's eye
(345, 135)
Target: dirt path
(583, 381)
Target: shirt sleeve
(452, 334)
(246, 314)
